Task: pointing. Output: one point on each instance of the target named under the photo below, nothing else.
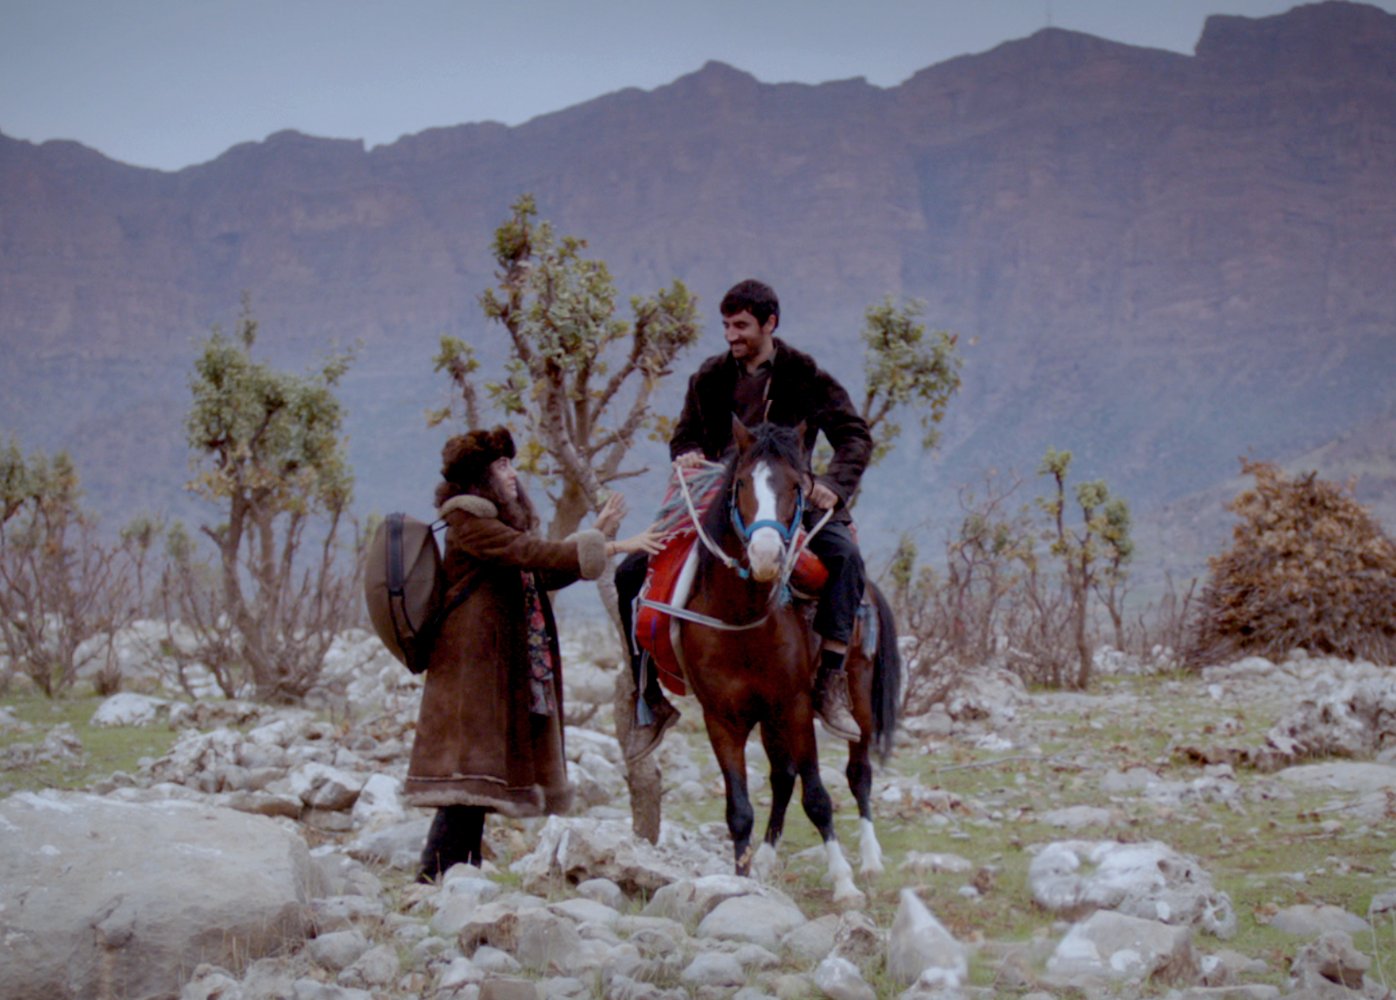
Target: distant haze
(168, 83)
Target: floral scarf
(542, 695)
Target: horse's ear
(800, 437)
(740, 434)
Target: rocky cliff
(1158, 261)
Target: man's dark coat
(799, 391)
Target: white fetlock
(846, 894)
(764, 864)
(870, 850)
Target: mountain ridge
(1158, 261)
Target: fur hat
(466, 458)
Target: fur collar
(471, 504)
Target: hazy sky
(167, 83)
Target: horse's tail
(887, 676)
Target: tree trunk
(572, 507)
(1083, 646)
(641, 778)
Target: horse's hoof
(764, 864)
(871, 869)
(744, 861)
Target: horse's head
(768, 493)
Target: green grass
(1265, 852)
(105, 750)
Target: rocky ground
(1227, 834)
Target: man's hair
(755, 297)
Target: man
(762, 378)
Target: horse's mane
(773, 441)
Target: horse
(749, 654)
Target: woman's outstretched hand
(608, 518)
(646, 541)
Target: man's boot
(654, 714)
(831, 696)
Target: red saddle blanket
(652, 625)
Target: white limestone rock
(320, 786)
(839, 979)
(1147, 880)
(127, 708)
(1113, 946)
(918, 943)
(1311, 920)
(128, 898)
(379, 803)
(760, 919)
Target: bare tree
(581, 381)
(1103, 536)
(269, 454)
(903, 367)
(578, 377)
(65, 591)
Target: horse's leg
(782, 789)
(820, 810)
(729, 747)
(859, 770)
(859, 774)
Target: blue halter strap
(786, 531)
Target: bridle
(786, 531)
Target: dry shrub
(1308, 567)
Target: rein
(708, 543)
(700, 619)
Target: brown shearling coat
(477, 744)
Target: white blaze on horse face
(765, 551)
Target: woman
(489, 733)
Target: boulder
(813, 940)
(1147, 880)
(761, 919)
(1112, 946)
(1349, 711)
(857, 938)
(1341, 776)
(690, 900)
(839, 979)
(575, 849)
(918, 943)
(106, 898)
(398, 846)
(1313, 920)
(714, 969)
(1330, 959)
(323, 787)
(379, 803)
(129, 709)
